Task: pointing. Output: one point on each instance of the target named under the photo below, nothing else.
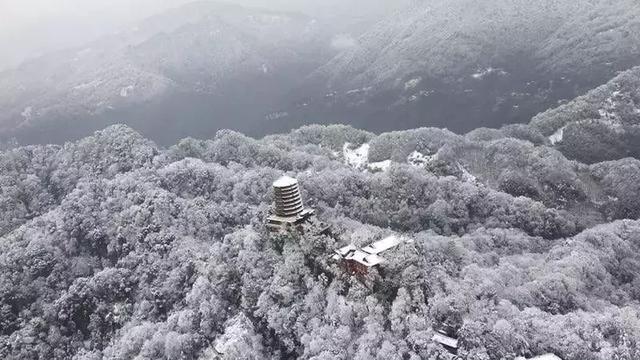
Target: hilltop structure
(361, 261)
(289, 211)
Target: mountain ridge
(127, 250)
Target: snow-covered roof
(445, 340)
(543, 357)
(345, 250)
(381, 165)
(364, 258)
(383, 245)
(352, 253)
(285, 181)
(547, 357)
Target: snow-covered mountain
(465, 63)
(201, 60)
(602, 125)
(114, 248)
(193, 70)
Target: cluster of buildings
(289, 214)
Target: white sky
(32, 27)
(17, 14)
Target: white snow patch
(357, 158)
(411, 84)
(126, 91)
(27, 113)
(612, 123)
(363, 90)
(481, 74)
(557, 136)
(380, 166)
(607, 114)
(421, 94)
(419, 159)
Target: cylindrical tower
(288, 198)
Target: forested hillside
(463, 64)
(202, 60)
(112, 247)
(602, 125)
(456, 64)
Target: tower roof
(285, 181)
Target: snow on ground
(607, 114)
(126, 91)
(418, 159)
(556, 138)
(357, 158)
(411, 84)
(481, 74)
(363, 90)
(380, 166)
(610, 110)
(611, 122)
(421, 94)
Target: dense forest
(114, 248)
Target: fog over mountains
(500, 139)
(460, 64)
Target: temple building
(355, 261)
(361, 261)
(288, 211)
